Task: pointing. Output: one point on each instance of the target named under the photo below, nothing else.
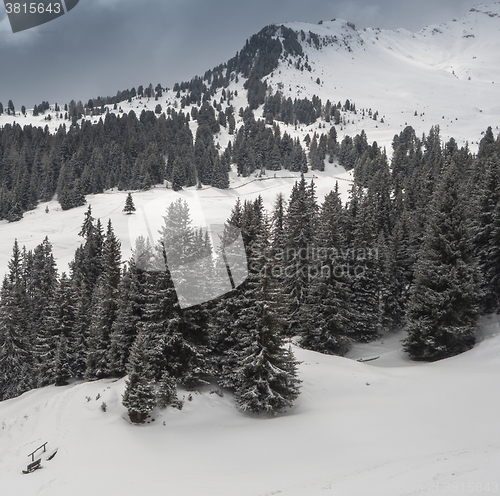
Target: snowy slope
(207, 206)
(388, 430)
(390, 427)
(448, 74)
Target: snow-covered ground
(207, 206)
(384, 428)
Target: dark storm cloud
(102, 46)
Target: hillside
(393, 426)
(443, 75)
(207, 206)
(389, 426)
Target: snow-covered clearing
(207, 206)
(388, 427)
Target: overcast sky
(102, 46)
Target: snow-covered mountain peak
(492, 9)
(446, 74)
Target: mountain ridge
(442, 75)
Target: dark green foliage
(486, 225)
(16, 376)
(328, 305)
(410, 246)
(204, 154)
(247, 327)
(167, 391)
(105, 308)
(364, 266)
(119, 151)
(443, 306)
(62, 369)
(220, 174)
(296, 261)
(139, 397)
(267, 376)
(129, 315)
(298, 111)
(129, 205)
(291, 42)
(178, 175)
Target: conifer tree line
(415, 247)
(120, 151)
(129, 153)
(109, 319)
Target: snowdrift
(388, 427)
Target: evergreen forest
(415, 247)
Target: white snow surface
(383, 428)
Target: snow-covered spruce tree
(129, 314)
(167, 391)
(226, 337)
(363, 263)
(139, 397)
(16, 377)
(62, 369)
(220, 174)
(187, 260)
(178, 174)
(278, 235)
(129, 205)
(267, 375)
(255, 361)
(443, 307)
(86, 266)
(487, 231)
(79, 341)
(327, 305)
(223, 335)
(204, 153)
(316, 161)
(105, 308)
(40, 281)
(56, 363)
(297, 263)
(393, 256)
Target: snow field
(356, 429)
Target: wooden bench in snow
(35, 464)
(363, 360)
